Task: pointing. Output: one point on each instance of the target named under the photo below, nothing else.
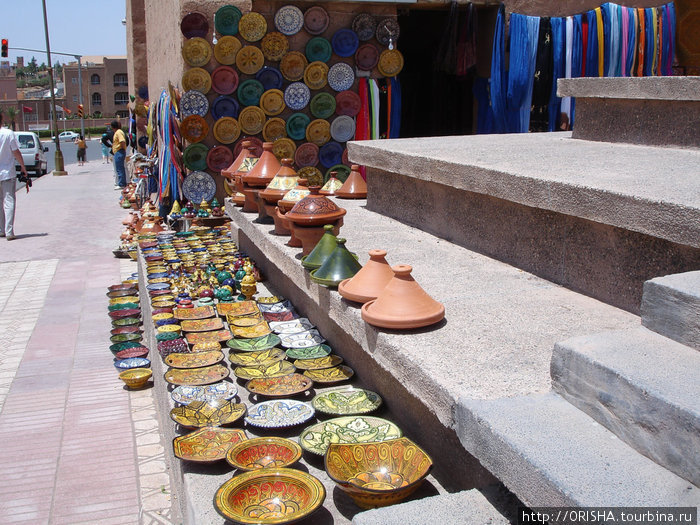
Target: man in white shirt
(9, 153)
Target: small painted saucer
(311, 352)
(345, 401)
(283, 386)
(318, 363)
(185, 394)
(134, 362)
(302, 339)
(330, 375)
(253, 345)
(279, 413)
(279, 368)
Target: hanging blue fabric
(607, 37)
(649, 42)
(523, 51)
(631, 42)
(576, 59)
(618, 33)
(592, 50)
(499, 75)
(484, 113)
(558, 69)
(395, 131)
(671, 39)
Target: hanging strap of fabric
(655, 39)
(641, 41)
(499, 77)
(558, 68)
(671, 10)
(624, 38)
(395, 108)
(600, 34)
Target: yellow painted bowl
(169, 329)
(162, 317)
(136, 377)
(124, 299)
(263, 452)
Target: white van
(33, 152)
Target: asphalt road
(70, 152)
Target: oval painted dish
(122, 338)
(255, 344)
(126, 321)
(136, 362)
(292, 327)
(204, 414)
(278, 306)
(283, 386)
(194, 359)
(311, 352)
(202, 325)
(206, 337)
(197, 376)
(302, 339)
(251, 332)
(318, 363)
(345, 401)
(199, 312)
(207, 444)
(242, 308)
(262, 358)
(132, 352)
(348, 429)
(264, 452)
(279, 413)
(184, 395)
(279, 368)
(330, 375)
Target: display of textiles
(610, 40)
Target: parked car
(33, 152)
(66, 136)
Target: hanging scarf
(559, 46)
(374, 109)
(523, 50)
(362, 126)
(624, 38)
(667, 47)
(600, 35)
(592, 46)
(633, 42)
(542, 82)
(395, 125)
(641, 41)
(466, 46)
(499, 75)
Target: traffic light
(80, 110)
(4, 47)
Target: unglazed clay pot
(403, 304)
(354, 186)
(369, 282)
(310, 235)
(259, 176)
(285, 179)
(233, 168)
(308, 216)
(332, 185)
(249, 162)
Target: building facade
(105, 86)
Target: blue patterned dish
(199, 186)
(224, 106)
(301, 339)
(269, 77)
(184, 394)
(297, 95)
(132, 362)
(341, 76)
(279, 413)
(193, 103)
(289, 20)
(345, 42)
(158, 286)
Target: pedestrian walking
(106, 144)
(82, 147)
(119, 150)
(9, 153)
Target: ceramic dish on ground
(279, 413)
(194, 359)
(346, 401)
(278, 317)
(199, 312)
(139, 351)
(118, 347)
(255, 344)
(202, 325)
(206, 337)
(242, 322)
(318, 363)
(348, 429)
(197, 376)
(223, 390)
(276, 369)
(301, 324)
(263, 452)
(123, 306)
(302, 339)
(134, 329)
(262, 358)
(123, 338)
(136, 377)
(121, 314)
(126, 321)
(270, 299)
(251, 332)
(330, 375)
(115, 295)
(123, 286)
(242, 308)
(269, 496)
(207, 444)
(283, 386)
(204, 414)
(311, 352)
(136, 362)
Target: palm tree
(12, 114)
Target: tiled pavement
(77, 447)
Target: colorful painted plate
(203, 414)
(270, 78)
(275, 128)
(348, 103)
(194, 25)
(254, 345)
(390, 62)
(341, 76)
(274, 46)
(193, 103)
(388, 31)
(199, 186)
(318, 49)
(251, 332)
(271, 101)
(277, 306)
(250, 91)
(194, 128)
(311, 352)
(283, 386)
(302, 339)
(293, 65)
(220, 157)
(202, 325)
(194, 359)
(196, 52)
(264, 453)
(341, 172)
(251, 120)
(345, 401)
(118, 347)
(348, 429)
(184, 394)
(226, 130)
(208, 337)
(207, 444)
(316, 75)
(296, 125)
(342, 130)
(196, 78)
(127, 321)
(132, 352)
(226, 20)
(330, 375)
(365, 26)
(276, 369)
(224, 106)
(316, 20)
(284, 148)
(250, 59)
(323, 105)
(262, 358)
(331, 153)
(140, 362)
(125, 338)
(226, 49)
(366, 57)
(318, 363)
(252, 26)
(236, 309)
(195, 156)
(345, 42)
(206, 346)
(306, 154)
(318, 132)
(301, 324)
(197, 376)
(279, 413)
(289, 20)
(224, 80)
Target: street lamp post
(80, 94)
(59, 170)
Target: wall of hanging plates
(299, 75)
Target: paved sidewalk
(77, 446)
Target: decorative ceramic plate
(251, 120)
(291, 327)
(316, 20)
(302, 339)
(194, 359)
(248, 320)
(226, 20)
(207, 444)
(387, 31)
(253, 345)
(226, 131)
(341, 172)
(279, 414)
(277, 369)
(289, 20)
(365, 26)
(250, 59)
(132, 352)
(269, 299)
(118, 347)
(342, 130)
(366, 57)
(196, 78)
(345, 42)
(283, 386)
(141, 362)
(261, 358)
(272, 102)
(194, 128)
(195, 155)
(206, 337)
(242, 308)
(316, 75)
(264, 453)
(194, 25)
(331, 153)
(318, 363)
(348, 103)
(311, 352)
(306, 155)
(293, 65)
(274, 46)
(202, 325)
(220, 157)
(197, 376)
(278, 306)
(206, 346)
(224, 80)
(193, 103)
(124, 338)
(318, 49)
(199, 186)
(348, 429)
(249, 92)
(196, 52)
(390, 62)
(323, 105)
(224, 106)
(203, 414)
(330, 375)
(274, 128)
(252, 26)
(296, 124)
(284, 148)
(312, 174)
(251, 332)
(187, 394)
(345, 401)
(226, 49)
(127, 321)
(318, 132)
(341, 76)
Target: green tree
(32, 66)
(12, 115)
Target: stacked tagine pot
(248, 164)
(354, 186)
(369, 282)
(310, 214)
(258, 177)
(285, 179)
(230, 172)
(285, 204)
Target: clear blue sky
(83, 27)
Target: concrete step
(642, 386)
(671, 307)
(549, 453)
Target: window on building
(122, 114)
(75, 98)
(121, 98)
(74, 80)
(95, 80)
(96, 99)
(120, 79)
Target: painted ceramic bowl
(126, 321)
(118, 347)
(140, 351)
(185, 394)
(263, 452)
(132, 362)
(123, 338)
(122, 306)
(377, 474)
(276, 495)
(128, 286)
(207, 444)
(121, 314)
(133, 329)
(208, 414)
(136, 377)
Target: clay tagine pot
(285, 179)
(339, 266)
(310, 214)
(247, 164)
(369, 282)
(332, 185)
(403, 304)
(322, 251)
(233, 168)
(258, 177)
(285, 204)
(354, 186)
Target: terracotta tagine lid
(294, 195)
(339, 266)
(354, 186)
(246, 165)
(332, 185)
(322, 251)
(369, 282)
(264, 170)
(403, 304)
(285, 179)
(314, 210)
(233, 168)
